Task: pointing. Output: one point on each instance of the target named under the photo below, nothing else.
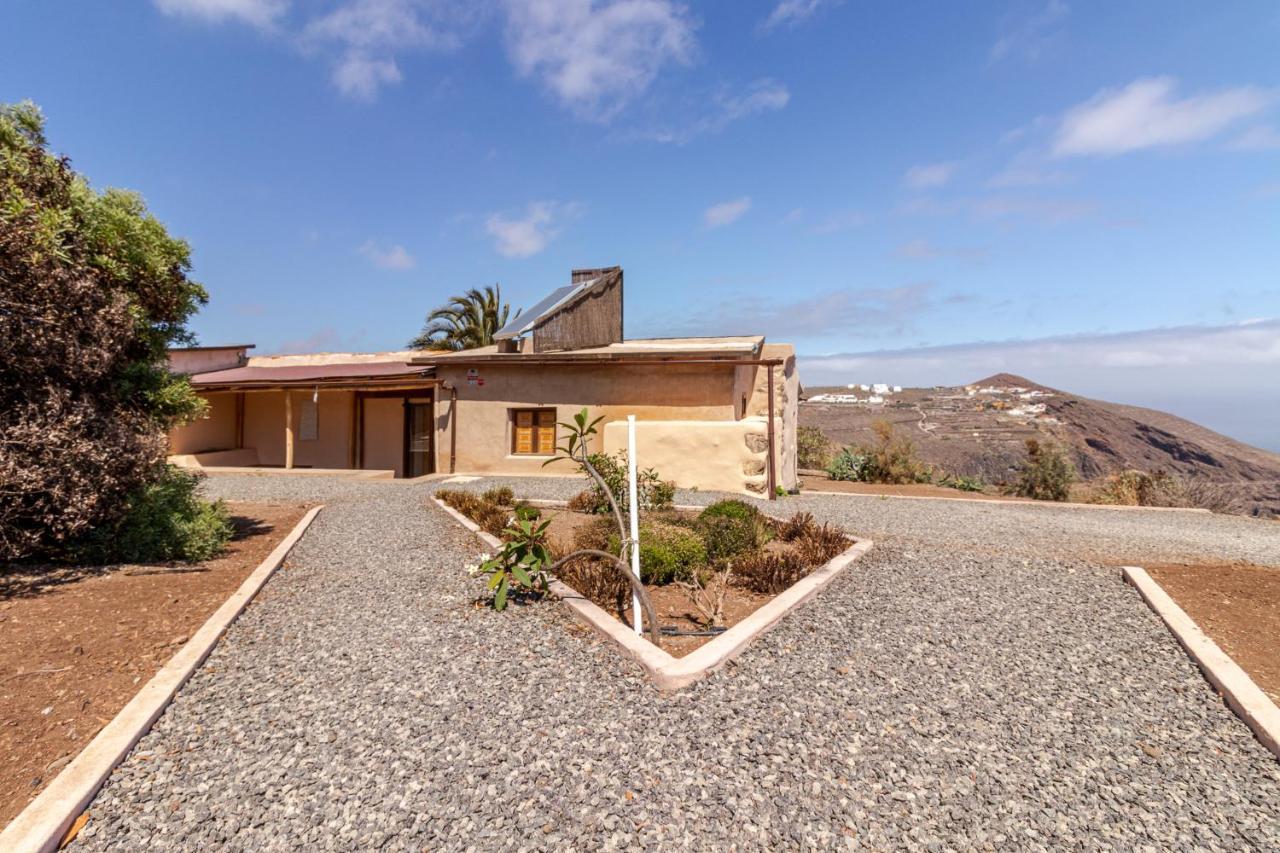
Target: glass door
(418, 429)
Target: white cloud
(791, 13)
(258, 13)
(930, 175)
(391, 258)
(596, 56)
(357, 76)
(1028, 36)
(726, 212)
(369, 33)
(528, 235)
(1261, 138)
(725, 107)
(1145, 114)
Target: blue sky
(1088, 193)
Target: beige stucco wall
(215, 431)
(724, 456)
(669, 392)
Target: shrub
(165, 520)
(813, 448)
(492, 519)
(962, 482)
(653, 491)
(499, 496)
(584, 501)
(730, 508)
(892, 459)
(727, 537)
(1138, 488)
(1047, 473)
(464, 502)
(527, 512)
(770, 573)
(849, 466)
(597, 581)
(818, 544)
(600, 535)
(92, 291)
(796, 526)
(667, 552)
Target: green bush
(668, 552)
(1046, 474)
(962, 483)
(813, 449)
(732, 527)
(730, 508)
(165, 520)
(849, 466)
(653, 491)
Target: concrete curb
(1239, 690)
(42, 825)
(671, 673)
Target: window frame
(536, 445)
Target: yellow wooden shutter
(547, 431)
(524, 432)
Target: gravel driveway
(968, 684)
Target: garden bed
(1238, 606)
(705, 571)
(76, 643)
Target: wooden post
(288, 429)
(351, 431)
(239, 420)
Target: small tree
(1047, 473)
(813, 448)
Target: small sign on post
(634, 504)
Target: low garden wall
(722, 456)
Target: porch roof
(308, 375)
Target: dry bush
(819, 544)
(1161, 489)
(584, 501)
(770, 573)
(796, 526)
(1046, 474)
(597, 581)
(464, 502)
(813, 448)
(499, 496)
(493, 520)
(1214, 496)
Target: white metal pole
(634, 501)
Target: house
(715, 413)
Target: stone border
(672, 673)
(1239, 690)
(1007, 502)
(43, 824)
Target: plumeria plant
(523, 562)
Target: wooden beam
(239, 420)
(351, 431)
(288, 429)
(773, 474)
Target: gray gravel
(944, 693)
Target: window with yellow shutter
(533, 432)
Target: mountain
(980, 430)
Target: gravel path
(939, 695)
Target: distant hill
(980, 430)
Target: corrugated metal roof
(526, 320)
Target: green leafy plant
(813, 448)
(668, 552)
(1046, 474)
(732, 527)
(466, 321)
(652, 491)
(164, 520)
(848, 465)
(527, 511)
(522, 562)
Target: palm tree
(465, 322)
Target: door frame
(430, 404)
(428, 397)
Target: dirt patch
(76, 643)
(1238, 606)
